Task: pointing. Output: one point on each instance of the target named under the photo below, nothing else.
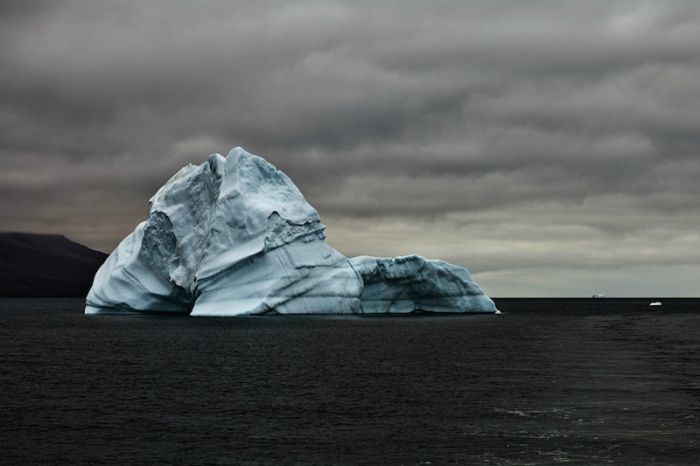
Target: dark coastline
(35, 265)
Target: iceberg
(235, 236)
(403, 285)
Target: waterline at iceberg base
(235, 236)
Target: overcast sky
(552, 147)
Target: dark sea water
(550, 381)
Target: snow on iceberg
(234, 236)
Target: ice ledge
(410, 284)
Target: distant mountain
(37, 265)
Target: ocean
(550, 381)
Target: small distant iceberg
(598, 296)
(655, 303)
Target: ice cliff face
(234, 236)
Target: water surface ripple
(549, 381)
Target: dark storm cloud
(20, 8)
(395, 117)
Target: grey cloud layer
(509, 124)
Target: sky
(551, 147)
